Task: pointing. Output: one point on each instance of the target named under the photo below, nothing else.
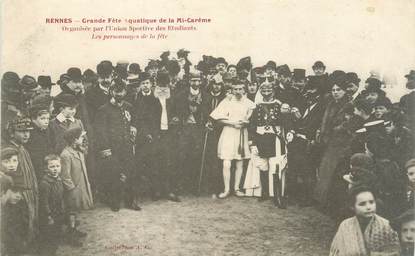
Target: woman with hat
(404, 225)
(335, 139)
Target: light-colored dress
(378, 238)
(233, 143)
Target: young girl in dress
(366, 233)
(234, 114)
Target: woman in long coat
(334, 138)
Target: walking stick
(202, 165)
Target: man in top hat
(18, 134)
(319, 68)
(116, 137)
(221, 65)
(99, 94)
(165, 139)
(11, 98)
(45, 83)
(407, 102)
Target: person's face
(267, 91)
(21, 137)
(252, 88)
(42, 120)
(319, 71)
(284, 79)
(371, 97)
(232, 71)
(221, 67)
(365, 205)
(146, 86)
(238, 90)
(270, 72)
(119, 95)
(79, 141)
(10, 164)
(76, 87)
(153, 71)
(105, 81)
(216, 87)
(296, 112)
(411, 174)
(68, 112)
(195, 83)
(45, 90)
(299, 84)
(87, 85)
(285, 108)
(380, 111)
(337, 92)
(352, 88)
(410, 84)
(54, 168)
(408, 232)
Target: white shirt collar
(194, 92)
(61, 118)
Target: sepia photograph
(221, 127)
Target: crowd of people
(118, 134)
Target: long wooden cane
(202, 165)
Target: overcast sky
(351, 35)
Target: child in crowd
(66, 105)
(14, 213)
(366, 233)
(77, 194)
(51, 211)
(40, 143)
(410, 190)
(405, 226)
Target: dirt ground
(203, 226)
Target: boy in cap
(18, 135)
(41, 142)
(14, 214)
(221, 65)
(65, 105)
(116, 136)
(381, 107)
